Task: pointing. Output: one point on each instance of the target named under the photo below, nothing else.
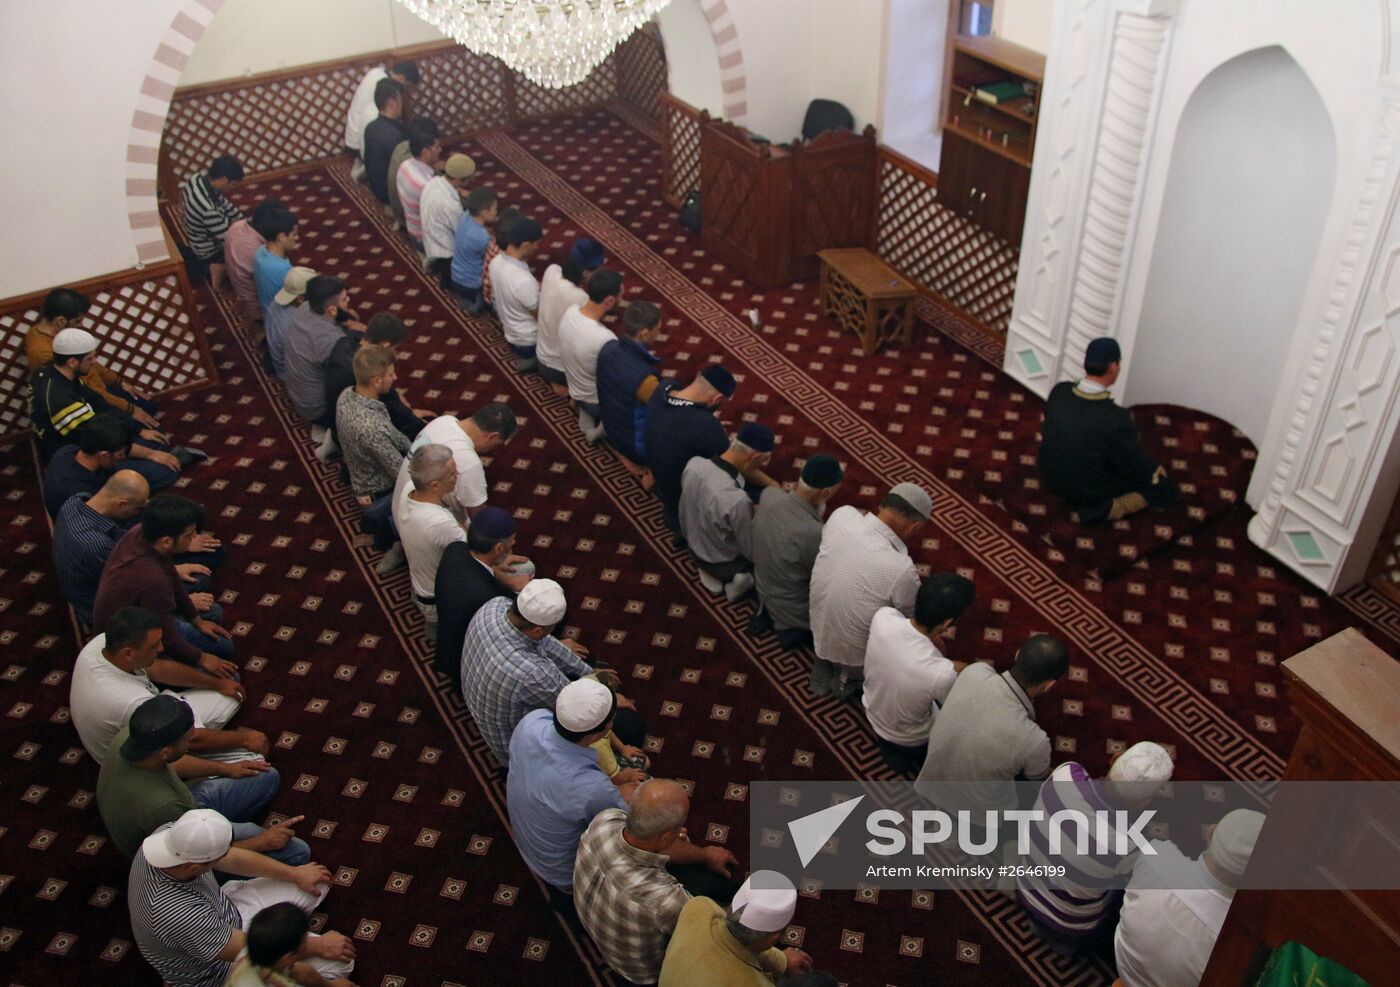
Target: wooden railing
(954, 261)
(274, 121)
(148, 326)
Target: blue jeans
(238, 799)
(294, 854)
(221, 646)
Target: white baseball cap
(200, 836)
(765, 902)
(73, 342)
(583, 705)
(542, 602)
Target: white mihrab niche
(1215, 185)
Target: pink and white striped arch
(733, 79)
(152, 106)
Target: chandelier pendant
(553, 43)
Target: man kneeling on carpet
(191, 929)
(716, 513)
(281, 951)
(1090, 453)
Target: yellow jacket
(702, 953)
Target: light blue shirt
(469, 252)
(554, 790)
(269, 271)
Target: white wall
(848, 47)
(692, 64)
(1025, 22)
(1244, 206)
(70, 72)
(250, 36)
(916, 35)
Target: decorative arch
(148, 121)
(734, 80)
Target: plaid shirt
(506, 674)
(82, 540)
(626, 898)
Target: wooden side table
(868, 297)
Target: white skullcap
(541, 602)
(74, 342)
(767, 907)
(1141, 769)
(583, 705)
(1233, 839)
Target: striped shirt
(208, 215)
(862, 566)
(506, 674)
(626, 898)
(57, 406)
(181, 926)
(82, 540)
(412, 176)
(1077, 903)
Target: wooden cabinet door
(955, 167)
(983, 186)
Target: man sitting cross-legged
(1090, 453)
(470, 574)
(635, 871)
(141, 786)
(191, 929)
(717, 515)
(141, 572)
(281, 951)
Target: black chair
(823, 115)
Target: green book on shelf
(999, 92)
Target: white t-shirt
(581, 338)
(1165, 937)
(440, 210)
(102, 697)
(425, 530)
(557, 295)
(906, 679)
(517, 296)
(362, 109)
(470, 492)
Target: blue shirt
(469, 252)
(554, 790)
(269, 271)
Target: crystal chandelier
(554, 43)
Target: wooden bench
(868, 297)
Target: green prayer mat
(1295, 965)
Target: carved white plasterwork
(1081, 220)
(1342, 424)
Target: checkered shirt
(505, 674)
(626, 898)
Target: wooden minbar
(767, 210)
(1346, 692)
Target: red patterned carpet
(399, 793)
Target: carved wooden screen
(835, 179)
(958, 260)
(600, 87)
(463, 91)
(642, 71)
(146, 330)
(746, 212)
(681, 126)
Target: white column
(1097, 112)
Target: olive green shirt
(135, 802)
(702, 953)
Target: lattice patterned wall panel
(270, 125)
(642, 71)
(462, 91)
(532, 100)
(959, 260)
(680, 129)
(147, 336)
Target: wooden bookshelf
(984, 173)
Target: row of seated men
(510, 666)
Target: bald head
(659, 808)
(123, 496)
